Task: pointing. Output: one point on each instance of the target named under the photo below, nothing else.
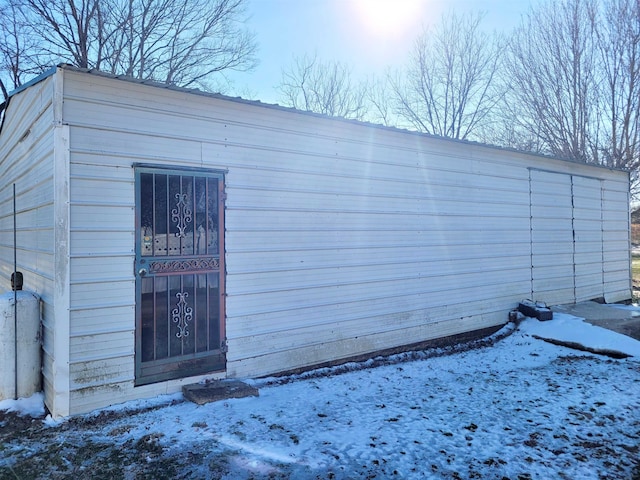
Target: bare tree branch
(553, 75)
(16, 44)
(179, 42)
(448, 86)
(378, 99)
(323, 87)
(618, 33)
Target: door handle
(142, 272)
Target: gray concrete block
(202, 393)
(535, 310)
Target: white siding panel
(576, 226)
(588, 245)
(102, 282)
(615, 230)
(547, 240)
(87, 244)
(437, 226)
(287, 280)
(27, 159)
(617, 290)
(340, 238)
(317, 296)
(557, 207)
(110, 217)
(98, 269)
(344, 348)
(266, 179)
(429, 306)
(87, 348)
(396, 205)
(551, 294)
(618, 251)
(338, 175)
(88, 295)
(285, 259)
(99, 372)
(116, 144)
(510, 234)
(377, 211)
(542, 261)
(106, 319)
(616, 241)
(320, 296)
(551, 237)
(378, 325)
(563, 246)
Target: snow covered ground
(520, 409)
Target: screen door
(179, 268)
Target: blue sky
(369, 35)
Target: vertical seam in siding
(630, 276)
(573, 236)
(602, 282)
(530, 235)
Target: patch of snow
(49, 421)
(568, 328)
(522, 408)
(32, 406)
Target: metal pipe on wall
(14, 285)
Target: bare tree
(574, 71)
(553, 73)
(503, 128)
(448, 86)
(323, 87)
(380, 108)
(618, 32)
(178, 42)
(10, 46)
(16, 44)
(67, 28)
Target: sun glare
(387, 17)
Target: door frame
(140, 378)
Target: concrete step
(202, 393)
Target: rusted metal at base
(202, 393)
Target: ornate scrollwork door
(179, 269)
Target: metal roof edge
(257, 103)
(43, 76)
(5, 104)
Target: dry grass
(635, 259)
(635, 233)
(635, 269)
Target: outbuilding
(175, 236)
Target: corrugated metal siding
(26, 159)
(365, 248)
(579, 232)
(588, 245)
(551, 237)
(102, 292)
(340, 238)
(617, 242)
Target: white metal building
(175, 236)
